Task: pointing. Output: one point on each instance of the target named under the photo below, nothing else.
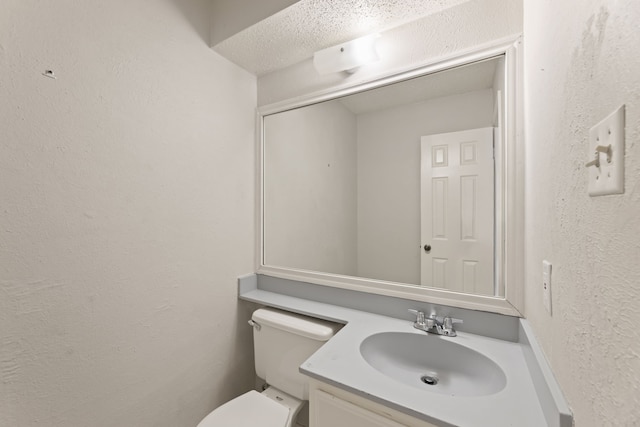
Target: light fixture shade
(347, 56)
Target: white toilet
(282, 342)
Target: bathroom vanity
(393, 207)
(397, 195)
(381, 371)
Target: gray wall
(127, 213)
(310, 188)
(582, 63)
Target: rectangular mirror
(401, 185)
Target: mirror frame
(510, 247)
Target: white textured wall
(582, 62)
(452, 30)
(310, 188)
(228, 17)
(389, 178)
(127, 213)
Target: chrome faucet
(435, 324)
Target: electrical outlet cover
(546, 285)
(607, 175)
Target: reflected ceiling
(459, 80)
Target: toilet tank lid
(309, 327)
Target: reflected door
(457, 219)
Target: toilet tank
(282, 343)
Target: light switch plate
(606, 176)
(546, 285)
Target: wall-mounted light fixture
(347, 56)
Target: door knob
(427, 248)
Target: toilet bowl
(282, 342)
(271, 408)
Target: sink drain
(429, 379)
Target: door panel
(457, 219)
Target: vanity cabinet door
(330, 411)
(330, 406)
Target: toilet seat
(249, 410)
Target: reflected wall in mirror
(401, 183)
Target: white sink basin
(432, 363)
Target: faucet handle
(422, 322)
(419, 316)
(448, 322)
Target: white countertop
(340, 363)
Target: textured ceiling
(295, 33)
(477, 76)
